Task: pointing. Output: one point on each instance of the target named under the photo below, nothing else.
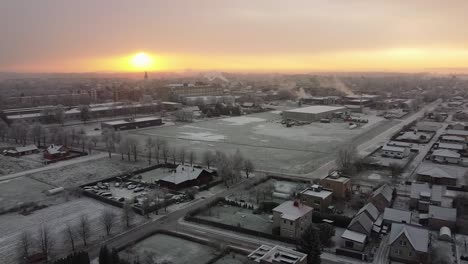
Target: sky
(234, 35)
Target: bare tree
(208, 158)
(108, 220)
(182, 153)
(149, 144)
(237, 161)
(127, 214)
(24, 245)
(248, 167)
(124, 148)
(174, 155)
(165, 153)
(70, 236)
(46, 241)
(192, 157)
(3, 130)
(346, 158)
(95, 140)
(84, 229)
(159, 143)
(85, 113)
(59, 114)
(134, 147)
(36, 133)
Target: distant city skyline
(257, 36)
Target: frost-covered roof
(315, 109)
(450, 146)
(55, 149)
(453, 138)
(182, 174)
(435, 172)
(371, 210)
(443, 213)
(320, 193)
(456, 132)
(289, 211)
(354, 236)
(397, 215)
(363, 220)
(445, 153)
(417, 236)
(386, 191)
(423, 188)
(393, 149)
(276, 254)
(26, 148)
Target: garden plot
(55, 218)
(176, 250)
(78, 174)
(10, 165)
(240, 217)
(233, 258)
(19, 191)
(263, 139)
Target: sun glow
(142, 61)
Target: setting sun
(142, 61)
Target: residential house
(441, 216)
(339, 185)
(361, 223)
(55, 152)
(276, 255)
(21, 151)
(451, 146)
(457, 126)
(392, 215)
(458, 133)
(292, 218)
(436, 175)
(446, 156)
(382, 197)
(353, 240)
(422, 195)
(395, 152)
(185, 176)
(316, 197)
(371, 211)
(452, 139)
(408, 243)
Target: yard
(240, 217)
(164, 247)
(11, 165)
(232, 258)
(55, 218)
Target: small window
(290, 223)
(284, 221)
(410, 254)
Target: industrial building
(132, 123)
(313, 113)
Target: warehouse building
(132, 123)
(313, 113)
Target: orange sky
(243, 35)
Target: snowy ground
(24, 190)
(237, 216)
(176, 250)
(78, 174)
(55, 218)
(233, 258)
(262, 138)
(9, 165)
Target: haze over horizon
(259, 36)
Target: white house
(446, 156)
(292, 218)
(395, 152)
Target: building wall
(402, 250)
(340, 189)
(292, 229)
(380, 202)
(437, 181)
(352, 245)
(310, 117)
(316, 202)
(436, 224)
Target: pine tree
(115, 256)
(309, 243)
(104, 256)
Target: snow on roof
(434, 172)
(54, 149)
(455, 132)
(354, 236)
(417, 236)
(418, 189)
(442, 213)
(446, 153)
(136, 120)
(386, 191)
(371, 210)
(182, 174)
(291, 212)
(364, 221)
(397, 215)
(393, 149)
(26, 148)
(276, 254)
(450, 146)
(316, 109)
(399, 144)
(314, 192)
(410, 135)
(453, 138)
(446, 232)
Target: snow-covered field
(9, 165)
(55, 218)
(81, 173)
(262, 138)
(176, 250)
(233, 258)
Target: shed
(445, 234)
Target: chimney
(296, 203)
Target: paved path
(54, 166)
